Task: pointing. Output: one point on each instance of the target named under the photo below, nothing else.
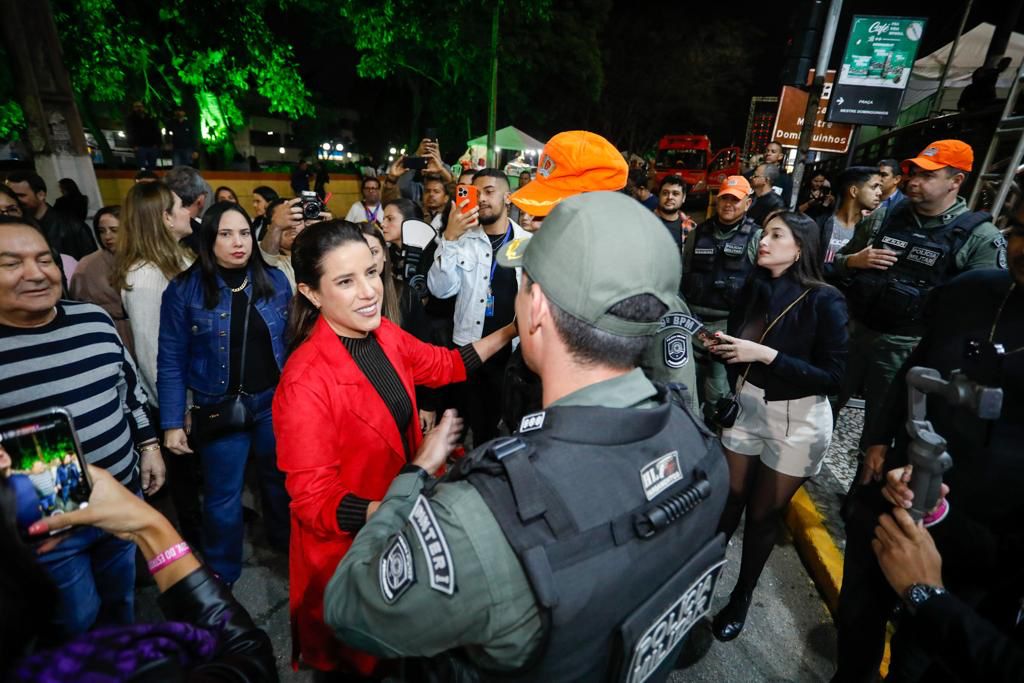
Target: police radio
(927, 451)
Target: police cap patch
(396, 570)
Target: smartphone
(706, 336)
(431, 134)
(42, 460)
(466, 192)
(415, 163)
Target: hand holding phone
(706, 336)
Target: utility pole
(492, 112)
(55, 134)
(828, 37)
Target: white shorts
(790, 437)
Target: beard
(489, 218)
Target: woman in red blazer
(344, 418)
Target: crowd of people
(599, 355)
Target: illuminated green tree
(210, 56)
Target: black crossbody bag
(230, 415)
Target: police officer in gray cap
(583, 547)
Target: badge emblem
(658, 475)
(396, 570)
(546, 166)
(531, 422)
(440, 570)
(675, 350)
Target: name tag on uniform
(440, 569)
(658, 475)
(704, 252)
(895, 244)
(531, 422)
(732, 249)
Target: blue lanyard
(494, 254)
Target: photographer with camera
(778, 423)
(975, 326)
(409, 176)
(286, 218)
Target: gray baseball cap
(596, 250)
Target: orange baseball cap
(572, 162)
(736, 186)
(943, 153)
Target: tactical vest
(618, 541)
(893, 300)
(718, 268)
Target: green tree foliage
(215, 54)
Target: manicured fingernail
(37, 528)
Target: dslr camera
(311, 205)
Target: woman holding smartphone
(345, 417)
(222, 326)
(787, 336)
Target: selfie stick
(927, 450)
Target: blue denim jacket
(195, 342)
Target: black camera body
(311, 205)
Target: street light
(280, 150)
(340, 147)
(391, 158)
(326, 147)
(393, 151)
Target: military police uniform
(887, 306)
(583, 547)
(717, 259)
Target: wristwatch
(918, 594)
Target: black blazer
(811, 338)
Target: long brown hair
(143, 237)
(308, 252)
(392, 309)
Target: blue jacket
(195, 342)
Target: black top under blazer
(811, 338)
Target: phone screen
(41, 458)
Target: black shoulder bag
(230, 415)
(727, 409)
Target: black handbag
(727, 409)
(231, 415)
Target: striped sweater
(79, 362)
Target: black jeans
(183, 483)
(484, 397)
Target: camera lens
(311, 210)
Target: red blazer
(336, 436)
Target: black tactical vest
(717, 268)
(894, 300)
(618, 539)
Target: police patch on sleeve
(675, 350)
(396, 570)
(440, 570)
(1000, 245)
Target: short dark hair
(492, 173)
(590, 345)
(433, 178)
(268, 193)
(31, 177)
(897, 168)
(409, 209)
(854, 176)
(771, 173)
(272, 207)
(368, 179)
(674, 180)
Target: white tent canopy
(970, 54)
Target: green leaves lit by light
(12, 119)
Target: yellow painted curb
(820, 554)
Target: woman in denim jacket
(202, 319)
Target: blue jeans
(145, 157)
(95, 575)
(182, 157)
(223, 462)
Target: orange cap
(943, 153)
(736, 186)
(572, 162)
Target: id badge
(490, 306)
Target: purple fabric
(114, 653)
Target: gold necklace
(240, 287)
(999, 315)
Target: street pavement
(789, 635)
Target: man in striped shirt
(63, 353)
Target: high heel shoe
(729, 622)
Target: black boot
(729, 622)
